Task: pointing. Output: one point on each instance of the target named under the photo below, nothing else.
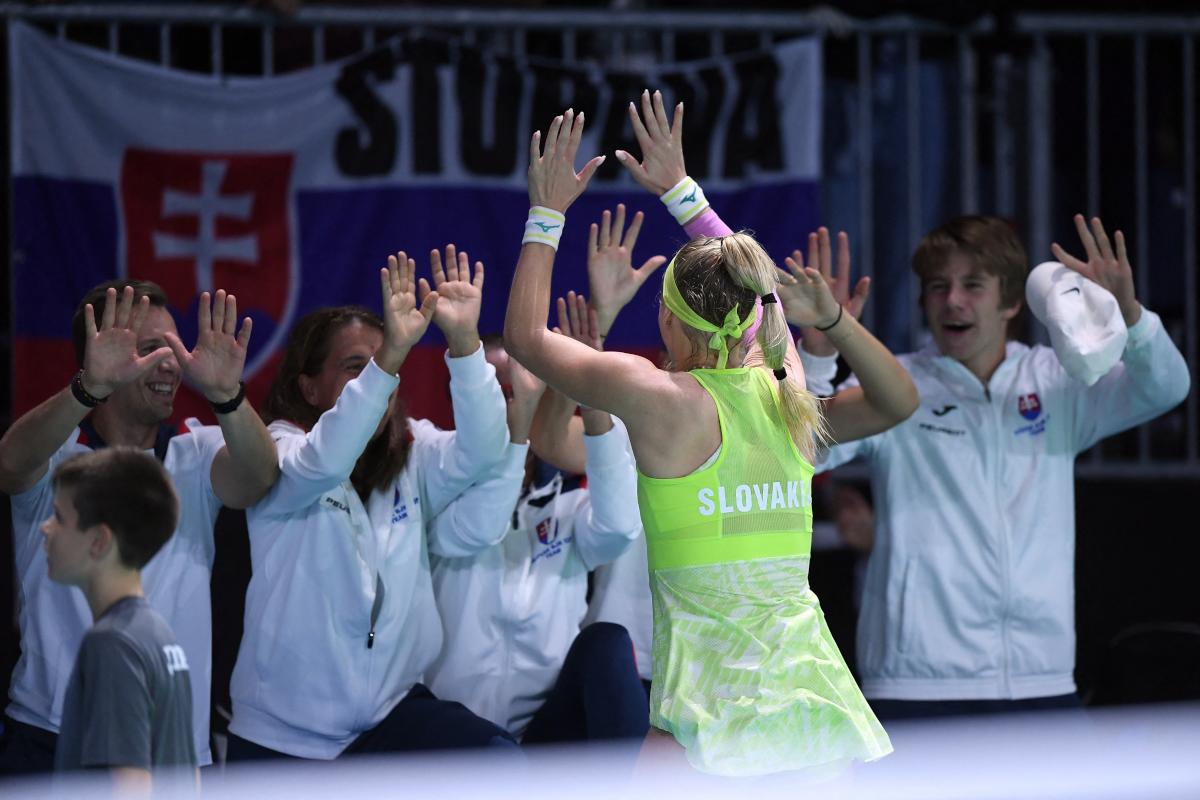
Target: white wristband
(685, 200)
(544, 226)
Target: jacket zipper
(995, 413)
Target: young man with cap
(128, 705)
(969, 604)
(131, 364)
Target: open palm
(404, 322)
(807, 299)
(612, 280)
(1105, 265)
(460, 295)
(110, 358)
(798, 295)
(661, 143)
(553, 181)
(215, 365)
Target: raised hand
(215, 365)
(553, 182)
(1110, 270)
(820, 255)
(527, 391)
(612, 280)
(808, 301)
(661, 142)
(404, 322)
(110, 356)
(527, 388)
(459, 299)
(578, 321)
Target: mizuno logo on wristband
(545, 228)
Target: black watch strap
(84, 397)
(229, 406)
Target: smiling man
(969, 603)
(131, 364)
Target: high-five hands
(820, 257)
(807, 299)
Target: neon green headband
(733, 327)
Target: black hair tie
(769, 298)
(834, 323)
(780, 374)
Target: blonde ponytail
(751, 268)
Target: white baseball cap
(1085, 323)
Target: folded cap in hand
(1085, 323)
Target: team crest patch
(1030, 406)
(547, 531)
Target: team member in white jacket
(514, 651)
(131, 364)
(969, 598)
(340, 617)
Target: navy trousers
(26, 749)
(894, 710)
(418, 722)
(598, 694)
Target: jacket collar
(956, 373)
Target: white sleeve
(449, 463)
(1151, 378)
(838, 454)
(608, 521)
(819, 371)
(208, 441)
(480, 516)
(313, 464)
(835, 456)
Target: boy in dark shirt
(128, 703)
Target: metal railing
(996, 88)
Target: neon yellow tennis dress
(746, 674)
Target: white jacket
(621, 594)
(970, 590)
(340, 617)
(512, 611)
(54, 617)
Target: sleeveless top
(746, 674)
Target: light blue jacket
(970, 590)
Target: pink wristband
(707, 224)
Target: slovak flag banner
(290, 191)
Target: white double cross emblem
(206, 248)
